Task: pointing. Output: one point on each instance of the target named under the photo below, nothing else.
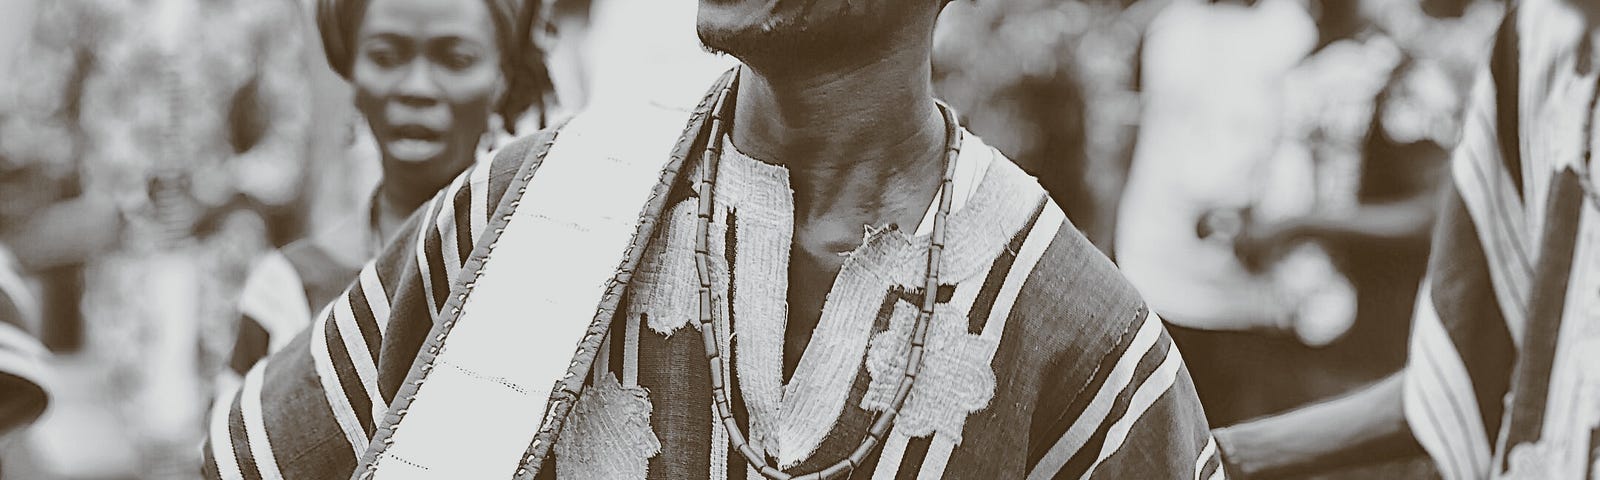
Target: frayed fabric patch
(608, 435)
(955, 381)
(664, 291)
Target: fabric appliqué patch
(664, 289)
(1529, 461)
(956, 379)
(608, 435)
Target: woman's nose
(418, 86)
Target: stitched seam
(407, 462)
(490, 378)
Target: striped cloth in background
(1504, 362)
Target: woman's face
(427, 76)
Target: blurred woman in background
(435, 81)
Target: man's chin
(737, 27)
(758, 44)
(726, 40)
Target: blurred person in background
(1214, 90)
(1501, 377)
(433, 94)
(181, 125)
(1321, 229)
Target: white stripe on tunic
(1038, 239)
(479, 212)
(343, 412)
(1206, 453)
(889, 458)
(630, 355)
(1119, 378)
(355, 347)
(1153, 388)
(424, 273)
(447, 234)
(1492, 203)
(260, 447)
(222, 441)
(1440, 403)
(939, 450)
(377, 298)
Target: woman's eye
(459, 61)
(384, 57)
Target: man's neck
(861, 142)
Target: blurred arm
(1365, 426)
(65, 233)
(1407, 219)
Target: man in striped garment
(546, 317)
(1503, 376)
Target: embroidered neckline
(714, 353)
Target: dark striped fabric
(1085, 382)
(279, 295)
(307, 410)
(1495, 358)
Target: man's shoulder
(1075, 304)
(1075, 311)
(1075, 288)
(1069, 271)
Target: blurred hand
(1260, 244)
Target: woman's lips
(416, 132)
(415, 143)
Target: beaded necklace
(714, 354)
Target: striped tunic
(1503, 376)
(286, 285)
(1043, 361)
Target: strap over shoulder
(514, 342)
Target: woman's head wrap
(521, 61)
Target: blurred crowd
(1264, 171)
